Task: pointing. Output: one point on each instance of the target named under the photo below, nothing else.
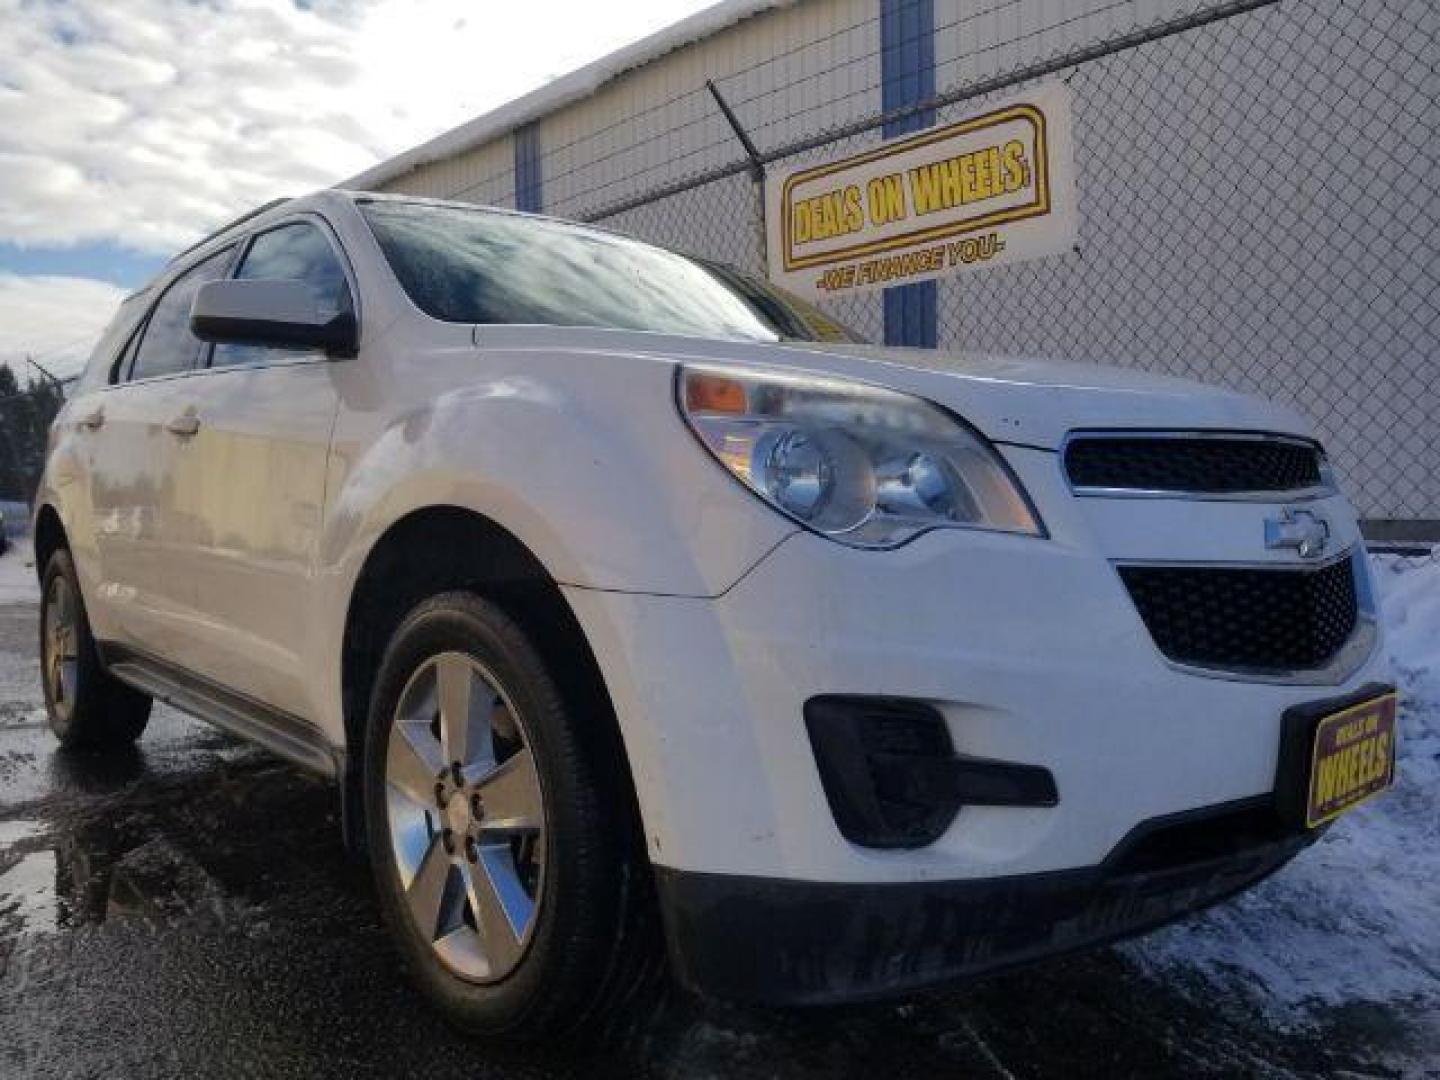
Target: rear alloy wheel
(466, 817)
(61, 652)
(502, 830)
(85, 704)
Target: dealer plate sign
(1352, 758)
(992, 188)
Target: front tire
(86, 705)
(500, 831)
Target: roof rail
(228, 226)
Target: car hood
(1009, 399)
(1037, 402)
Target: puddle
(33, 896)
(157, 881)
(27, 893)
(74, 882)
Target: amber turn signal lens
(706, 393)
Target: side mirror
(282, 313)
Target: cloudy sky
(128, 128)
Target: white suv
(638, 608)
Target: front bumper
(811, 943)
(1032, 652)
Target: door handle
(93, 421)
(184, 425)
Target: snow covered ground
(1356, 918)
(17, 573)
(17, 516)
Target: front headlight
(863, 465)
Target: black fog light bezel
(891, 775)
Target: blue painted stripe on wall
(907, 61)
(528, 182)
(907, 76)
(911, 315)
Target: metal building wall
(658, 124)
(485, 175)
(1258, 204)
(1258, 188)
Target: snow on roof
(560, 92)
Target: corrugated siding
(485, 174)
(978, 39)
(786, 73)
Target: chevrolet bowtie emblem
(1307, 533)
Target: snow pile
(17, 574)
(1357, 916)
(1410, 596)
(17, 517)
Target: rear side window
(168, 346)
(101, 366)
(294, 252)
(126, 359)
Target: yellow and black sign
(991, 188)
(1353, 758)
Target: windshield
(482, 266)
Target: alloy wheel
(61, 659)
(466, 817)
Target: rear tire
(87, 707)
(515, 887)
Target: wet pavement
(187, 909)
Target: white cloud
(147, 122)
(55, 319)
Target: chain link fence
(1257, 184)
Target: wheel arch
(441, 548)
(49, 537)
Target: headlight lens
(866, 466)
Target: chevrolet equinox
(645, 617)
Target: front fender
(583, 457)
